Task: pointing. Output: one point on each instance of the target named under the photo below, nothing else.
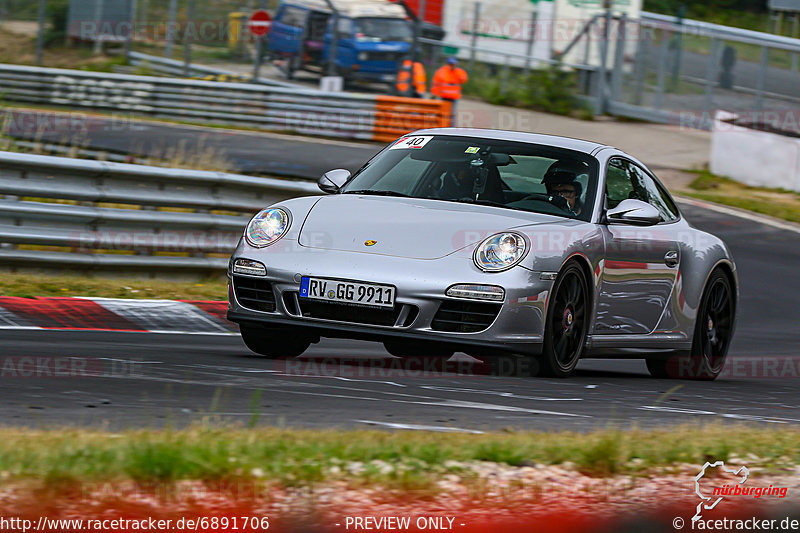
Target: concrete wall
(754, 157)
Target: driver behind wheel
(456, 183)
(561, 181)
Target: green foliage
(551, 90)
(601, 455)
(705, 7)
(777, 203)
(406, 460)
(57, 12)
(750, 14)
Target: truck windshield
(382, 29)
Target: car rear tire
(566, 324)
(273, 343)
(712, 336)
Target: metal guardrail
(306, 111)
(205, 214)
(708, 29)
(176, 68)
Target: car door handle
(671, 258)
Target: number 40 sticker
(411, 143)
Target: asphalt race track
(248, 152)
(152, 380)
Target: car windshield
(508, 174)
(381, 29)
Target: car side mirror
(635, 212)
(332, 181)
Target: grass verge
(400, 459)
(778, 203)
(33, 285)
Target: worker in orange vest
(447, 84)
(408, 86)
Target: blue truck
(372, 38)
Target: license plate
(332, 290)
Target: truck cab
(372, 37)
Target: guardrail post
(762, 74)
(602, 97)
(187, 42)
(642, 52)
(619, 59)
(504, 77)
(40, 32)
(662, 67)
(794, 61)
(711, 75)
(171, 26)
(129, 38)
(474, 40)
(531, 40)
(98, 23)
(587, 73)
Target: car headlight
(267, 227)
(362, 56)
(500, 252)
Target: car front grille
(349, 313)
(254, 293)
(465, 317)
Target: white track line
(420, 427)
(741, 213)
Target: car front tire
(566, 324)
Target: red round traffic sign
(260, 23)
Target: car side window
(653, 194)
(618, 183)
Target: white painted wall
(754, 157)
(506, 27)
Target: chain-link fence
(684, 72)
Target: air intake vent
(465, 317)
(255, 294)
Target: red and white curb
(113, 314)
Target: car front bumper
(422, 311)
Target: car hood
(406, 227)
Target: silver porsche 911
(491, 243)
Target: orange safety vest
(404, 76)
(447, 82)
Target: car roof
(579, 145)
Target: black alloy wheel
(567, 322)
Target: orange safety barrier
(398, 115)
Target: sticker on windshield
(472, 150)
(411, 143)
